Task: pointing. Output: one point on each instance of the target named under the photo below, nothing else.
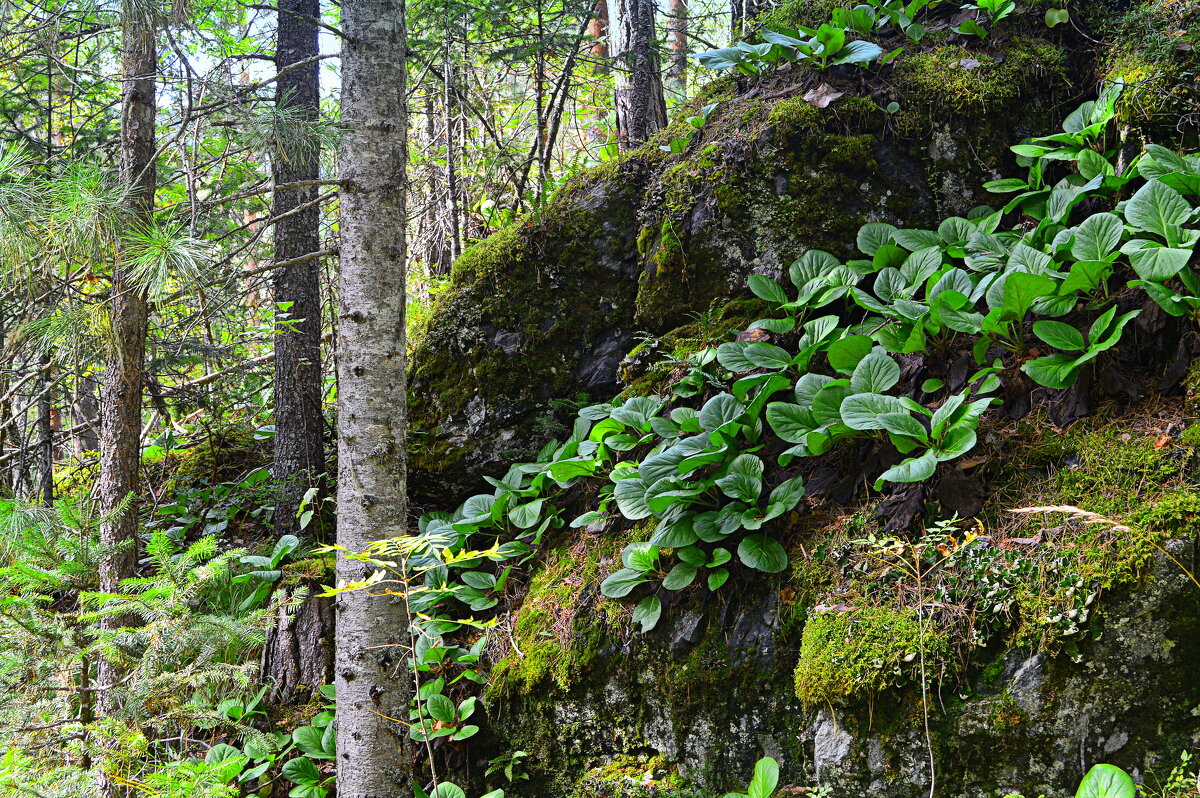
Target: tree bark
(121, 396)
(45, 426)
(677, 37)
(298, 655)
(299, 442)
(598, 33)
(84, 412)
(373, 759)
(297, 658)
(641, 109)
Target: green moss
(552, 641)
(934, 86)
(636, 777)
(862, 651)
(223, 456)
(793, 13)
(794, 112)
(1174, 514)
(1191, 436)
(1157, 53)
(662, 364)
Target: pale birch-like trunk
(373, 757)
(641, 109)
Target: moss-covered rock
(545, 310)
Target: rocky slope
(643, 261)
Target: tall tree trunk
(677, 39)
(297, 658)
(373, 759)
(299, 445)
(449, 106)
(741, 12)
(598, 33)
(45, 438)
(121, 399)
(84, 413)
(641, 109)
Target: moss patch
(945, 82)
(862, 651)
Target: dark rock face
(710, 692)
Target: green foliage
(820, 47)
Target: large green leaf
(914, 469)
(1059, 335)
(720, 411)
(766, 778)
(845, 353)
(767, 356)
(1157, 208)
(647, 612)
(1021, 290)
(768, 289)
(1056, 371)
(301, 770)
(875, 373)
(680, 576)
(440, 708)
(743, 479)
(1098, 236)
(763, 554)
(523, 516)
(790, 422)
(874, 235)
(309, 740)
(630, 494)
(1159, 264)
(808, 386)
(639, 556)
(1106, 781)
(862, 410)
(621, 583)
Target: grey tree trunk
(641, 109)
(373, 759)
(297, 657)
(84, 414)
(121, 395)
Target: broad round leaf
(1106, 781)
(763, 554)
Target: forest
(599, 398)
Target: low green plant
(820, 47)
(764, 781)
